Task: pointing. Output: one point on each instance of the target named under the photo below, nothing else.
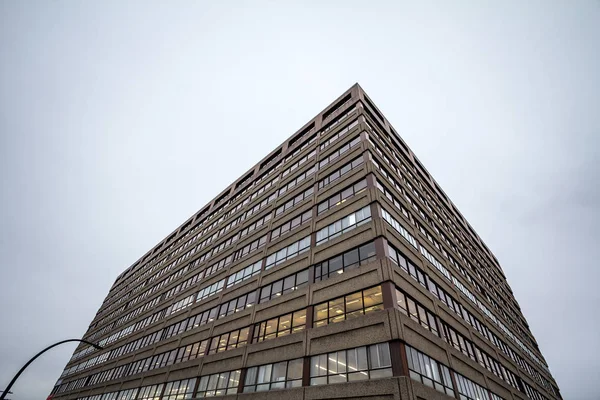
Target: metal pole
(2, 397)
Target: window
(361, 363)
(283, 286)
(340, 133)
(179, 390)
(288, 252)
(298, 163)
(210, 290)
(469, 390)
(237, 304)
(398, 227)
(229, 340)
(340, 172)
(127, 394)
(349, 306)
(250, 247)
(338, 153)
(345, 262)
(189, 352)
(344, 225)
(291, 224)
(219, 384)
(280, 326)
(403, 262)
(416, 312)
(181, 304)
(429, 372)
(297, 180)
(342, 196)
(244, 274)
(255, 225)
(293, 202)
(285, 374)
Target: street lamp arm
(39, 354)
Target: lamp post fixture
(7, 390)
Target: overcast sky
(115, 116)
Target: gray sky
(114, 117)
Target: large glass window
(295, 201)
(338, 134)
(349, 306)
(340, 172)
(219, 384)
(283, 286)
(151, 392)
(244, 274)
(285, 374)
(331, 157)
(429, 372)
(469, 390)
(366, 362)
(190, 352)
(127, 394)
(345, 262)
(342, 196)
(417, 312)
(291, 224)
(344, 225)
(280, 326)
(288, 252)
(179, 390)
(229, 340)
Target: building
(335, 268)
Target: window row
(293, 202)
(347, 307)
(280, 326)
(297, 180)
(244, 274)
(298, 163)
(331, 157)
(343, 225)
(347, 261)
(429, 372)
(292, 224)
(335, 175)
(342, 196)
(288, 252)
(361, 363)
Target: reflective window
(345, 262)
(219, 384)
(347, 307)
(244, 274)
(416, 311)
(342, 196)
(361, 363)
(288, 252)
(229, 340)
(291, 224)
(429, 372)
(344, 225)
(283, 286)
(340, 172)
(280, 326)
(285, 374)
(179, 390)
(331, 157)
(151, 392)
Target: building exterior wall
(434, 299)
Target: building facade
(335, 268)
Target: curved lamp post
(39, 354)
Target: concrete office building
(334, 268)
